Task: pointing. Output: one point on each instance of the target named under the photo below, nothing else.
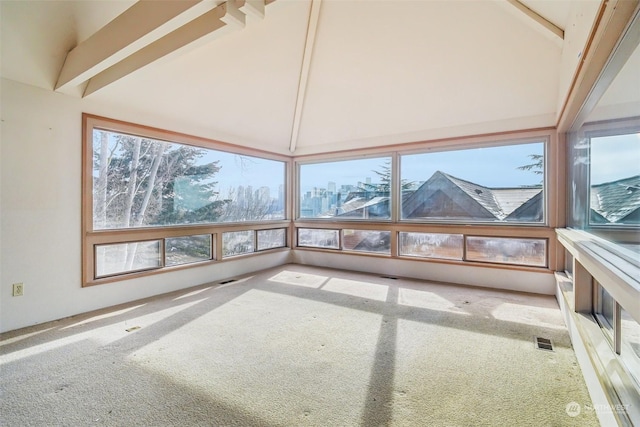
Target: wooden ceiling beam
(138, 26)
(177, 39)
(538, 18)
(135, 48)
(312, 29)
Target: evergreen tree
(384, 186)
(140, 182)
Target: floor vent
(389, 277)
(224, 282)
(543, 344)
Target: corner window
(154, 200)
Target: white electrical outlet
(18, 289)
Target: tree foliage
(140, 182)
(384, 184)
(537, 165)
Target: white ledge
(615, 268)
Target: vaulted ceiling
(311, 76)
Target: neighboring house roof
(616, 201)
(447, 196)
(369, 208)
(371, 241)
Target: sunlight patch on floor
(358, 289)
(299, 279)
(529, 315)
(190, 294)
(23, 337)
(100, 336)
(104, 316)
(429, 300)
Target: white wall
(40, 200)
(523, 281)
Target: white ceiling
(381, 71)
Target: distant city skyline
(238, 170)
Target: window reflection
(614, 196)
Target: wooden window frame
(91, 238)
(554, 204)
(553, 186)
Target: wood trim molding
(172, 136)
(538, 18)
(487, 139)
(612, 21)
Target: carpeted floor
(299, 346)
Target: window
(154, 200)
(367, 241)
(505, 250)
(319, 238)
(237, 243)
(420, 204)
(503, 184)
(630, 351)
(128, 257)
(142, 182)
(270, 239)
(188, 249)
(605, 182)
(614, 195)
(432, 245)
(604, 308)
(348, 189)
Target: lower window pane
(630, 351)
(187, 249)
(506, 250)
(367, 241)
(269, 239)
(127, 257)
(237, 243)
(431, 245)
(605, 307)
(318, 238)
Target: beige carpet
(299, 346)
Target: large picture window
(154, 200)
(348, 189)
(142, 182)
(503, 184)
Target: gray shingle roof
(617, 199)
(499, 201)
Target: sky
(237, 170)
(490, 167)
(614, 157)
